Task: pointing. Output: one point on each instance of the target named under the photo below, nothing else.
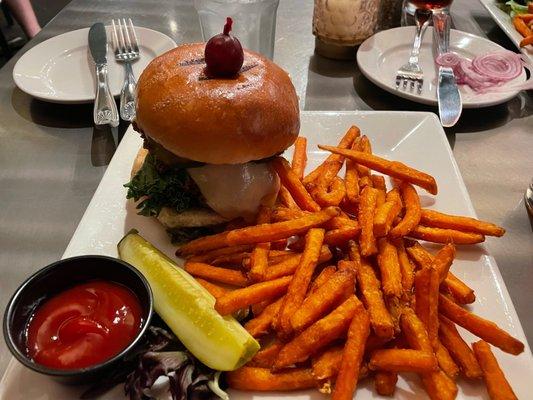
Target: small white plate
(380, 56)
(505, 22)
(61, 69)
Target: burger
(208, 140)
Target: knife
(449, 98)
(105, 108)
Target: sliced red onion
(487, 72)
(448, 60)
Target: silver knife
(449, 98)
(105, 108)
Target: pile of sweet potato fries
(523, 23)
(339, 288)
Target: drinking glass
(254, 21)
(409, 7)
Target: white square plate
(504, 21)
(414, 138)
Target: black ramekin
(57, 277)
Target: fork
(411, 72)
(126, 48)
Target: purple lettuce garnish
(172, 375)
(162, 369)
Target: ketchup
(84, 325)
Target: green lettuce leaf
(171, 188)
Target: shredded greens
(162, 369)
(513, 7)
(160, 188)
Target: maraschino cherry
(223, 53)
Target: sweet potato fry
(231, 260)
(439, 386)
(340, 223)
(258, 308)
(497, 385)
(351, 182)
(443, 261)
(259, 256)
(326, 364)
(387, 213)
(263, 380)
(345, 143)
(286, 214)
(364, 182)
(367, 206)
(411, 217)
(299, 157)
(372, 296)
(322, 278)
(340, 237)
(378, 182)
(407, 268)
(217, 274)
(394, 169)
(352, 355)
(385, 382)
(458, 349)
(482, 328)
(446, 362)
(259, 233)
(389, 266)
(252, 294)
(415, 332)
(521, 27)
(437, 219)
(215, 290)
(259, 262)
(528, 40)
(426, 296)
(526, 17)
(403, 360)
(261, 325)
(286, 199)
(224, 251)
(300, 282)
(331, 195)
(364, 146)
(439, 235)
(326, 330)
(295, 187)
(323, 300)
(289, 265)
(265, 357)
(460, 291)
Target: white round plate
(380, 56)
(61, 69)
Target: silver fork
(411, 72)
(126, 48)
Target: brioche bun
(251, 116)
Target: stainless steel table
(51, 158)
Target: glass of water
(254, 21)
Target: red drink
(431, 4)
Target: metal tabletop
(52, 159)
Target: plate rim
(506, 26)
(408, 96)
(78, 100)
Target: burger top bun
(251, 116)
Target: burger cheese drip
(237, 190)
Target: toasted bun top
(217, 120)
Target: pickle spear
(219, 342)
